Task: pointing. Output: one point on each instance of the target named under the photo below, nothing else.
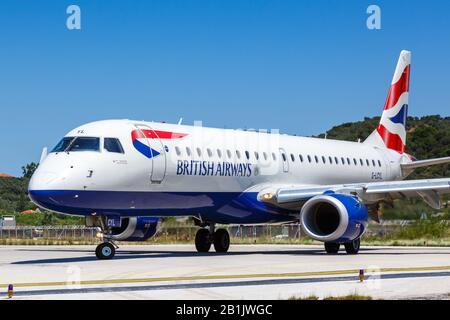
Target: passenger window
(284, 157)
(317, 159)
(274, 157)
(178, 151)
(324, 160)
(379, 163)
(367, 162)
(229, 154)
(361, 161)
(265, 155)
(300, 157)
(348, 161)
(336, 160)
(238, 154)
(210, 154)
(373, 162)
(355, 162)
(199, 152)
(85, 144)
(309, 158)
(292, 158)
(247, 155)
(256, 155)
(330, 159)
(342, 160)
(188, 151)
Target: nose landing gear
(207, 237)
(105, 251)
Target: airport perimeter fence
(247, 233)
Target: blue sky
(300, 66)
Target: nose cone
(44, 187)
(41, 180)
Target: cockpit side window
(113, 145)
(63, 144)
(84, 144)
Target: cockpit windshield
(63, 144)
(72, 144)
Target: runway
(246, 272)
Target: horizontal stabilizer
(407, 168)
(425, 163)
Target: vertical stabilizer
(391, 131)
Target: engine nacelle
(135, 229)
(334, 217)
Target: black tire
(221, 240)
(203, 240)
(352, 247)
(105, 251)
(332, 247)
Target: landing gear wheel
(105, 251)
(331, 247)
(203, 240)
(352, 247)
(221, 240)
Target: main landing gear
(207, 237)
(351, 247)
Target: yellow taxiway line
(231, 276)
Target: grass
(236, 241)
(310, 297)
(44, 242)
(349, 297)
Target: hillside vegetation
(428, 137)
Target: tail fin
(391, 128)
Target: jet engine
(135, 229)
(333, 217)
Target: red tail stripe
(391, 140)
(396, 89)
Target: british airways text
(209, 168)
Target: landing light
(99, 235)
(267, 196)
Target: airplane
(123, 176)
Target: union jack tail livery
(393, 120)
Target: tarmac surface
(245, 272)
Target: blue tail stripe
(400, 117)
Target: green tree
(29, 169)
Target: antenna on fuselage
(180, 121)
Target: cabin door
(155, 150)
(284, 160)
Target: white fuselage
(192, 169)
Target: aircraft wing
(371, 192)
